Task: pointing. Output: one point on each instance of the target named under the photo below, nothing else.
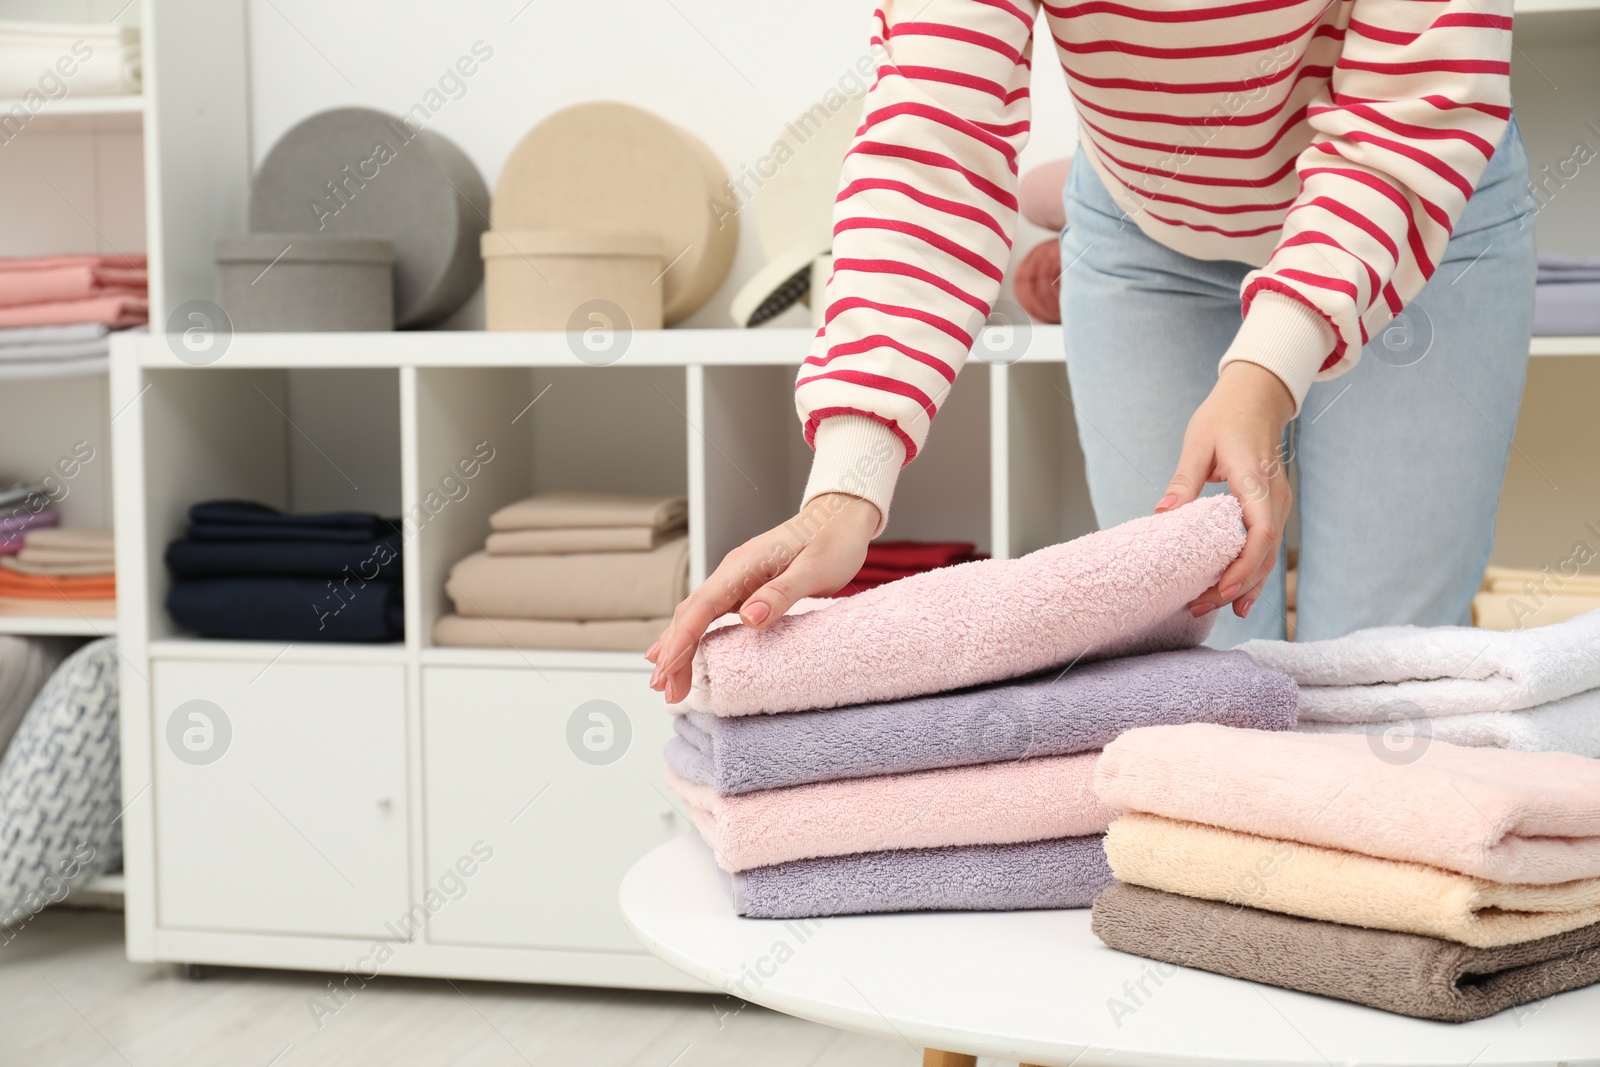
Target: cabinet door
(559, 774)
(280, 797)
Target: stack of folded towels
(23, 507)
(246, 571)
(858, 757)
(1566, 296)
(72, 566)
(1446, 883)
(101, 59)
(572, 570)
(1536, 690)
(890, 561)
(1512, 598)
(57, 312)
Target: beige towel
(578, 539)
(1515, 580)
(621, 635)
(1513, 611)
(568, 509)
(21, 566)
(1342, 887)
(599, 585)
(30, 554)
(78, 538)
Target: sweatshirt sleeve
(1416, 104)
(922, 234)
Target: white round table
(1039, 988)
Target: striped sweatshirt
(1330, 144)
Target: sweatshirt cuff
(858, 456)
(1285, 336)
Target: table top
(1038, 987)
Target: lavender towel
(1065, 873)
(1054, 714)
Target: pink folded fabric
(135, 261)
(1120, 591)
(68, 283)
(990, 804)
(1525, 817)
(125, 309)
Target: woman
(1308, 163)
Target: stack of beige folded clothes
(1514, 599)
(57, 565)
(572, 570)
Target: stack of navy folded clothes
(245, 571)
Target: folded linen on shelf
(117, 309)
(1337, 885)
(1116, 592)
(1566, 309)
(65, 347)
(1568, 725)
(578, 539)
(250, 515)
(1505, 816)
(1532, 583)
(1424, 977)
(559, 510)
(614, 635)
(588, 586)
(49, 536)
(1440, 670)
(28, 370)
(1062, 873)
(996, 803)
(287, 608)
(367, 558)
(17, 520)
(28, 49)
(21, 564)
(46, 285)
(54, 587)
(1055, 714)
(1502, 611)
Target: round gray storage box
(356, 172)
(295, 282)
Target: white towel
(1570, 725)
(1391, 672)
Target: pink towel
(68, 283)
(990, 804)
(10, 264)
(121, 309)
(1526, 817)
(1117, 592)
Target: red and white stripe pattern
(1333, 143)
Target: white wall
(731, 73)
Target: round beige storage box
(554, 279)
(296, 282)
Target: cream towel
(1342, 887)
(1524, 582)
(1499, 610)
(1506, 816)
(24, 566)
(618, 635)
(578, 539)
(1432, 671)
(70, 538)
(47, 556)
(573, 509)
(597, 585)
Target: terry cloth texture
(617, 635)
(1412, 671)
(368, 558)
(285, 608)
(1530, 817)
(1341, 886)
(600, 585)
(1423, 977)
(998, 803)
(1055, 714)
(1064, 873)
(574, 509)
(1116, 592)
(1569, 725)
(578, 539)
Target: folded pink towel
(1116, 592)
(14, 264)
(68, 283)
(129, 309)
(990, 804)
(1528, 817)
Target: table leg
(932, 1057)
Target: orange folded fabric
(51, 587)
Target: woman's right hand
(814, 553)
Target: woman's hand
(1236, 437)
(816, 552)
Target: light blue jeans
(1399, 462)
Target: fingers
(1266, 506)
(801, 579)
(1194, 468)
(724, 591)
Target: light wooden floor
(68, 998)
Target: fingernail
(756, 614)
(655, 678)
(1229, 591)
(1244, 612)
(1166, 502)
(1198, 610)
(650, 653)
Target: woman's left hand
(1236, 436)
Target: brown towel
(578, 539)
(620, 635)
(598, 585)
(1404, 973)
(71, 538)
(568, 509)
